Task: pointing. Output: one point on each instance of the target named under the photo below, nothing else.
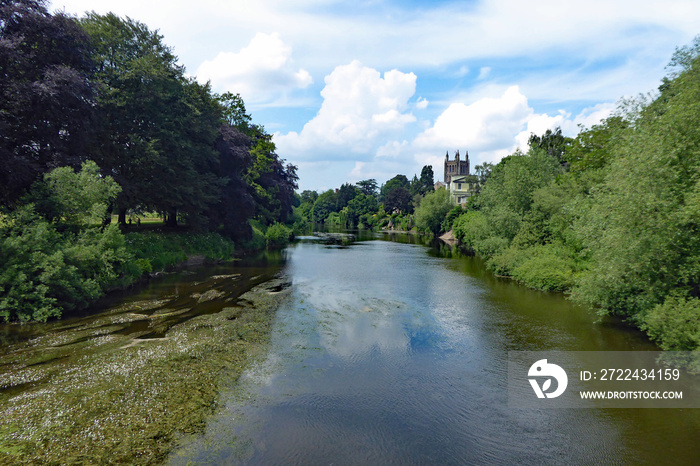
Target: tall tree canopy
(46, 99)
(158, 128)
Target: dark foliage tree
(346, 193)
(158, 128)
(368, 187)
(398, 199)
(552, 142)
(46, 99)
(272, 182)
(399, 181)
(235, 205)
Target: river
(388, 352)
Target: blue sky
(369, 89)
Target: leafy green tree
(234, 112)
(79, 199)
(158, 127)
(399, 181)
(483, 172)
(552, 142)
(325, 204)
(368, 187)
(594, 148)
(45, 269)
(432, 211)
(362, 204)
(47, 110)
(308, 196)
(515, 178)
(640, 227)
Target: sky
(353, 90)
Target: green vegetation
(612, 216)
(96, 393)
(365, 205)
(103, 99)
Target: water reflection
(387, 353)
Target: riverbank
(126, 399)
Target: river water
(392, 353)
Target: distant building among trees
(455, 167)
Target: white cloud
(360, 108)
(492, 127)
(422, 103)
(260, 72)
(488, 123)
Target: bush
(547, 268)
(675, 324)
(44, 272)
(278, 236)
(470, 228)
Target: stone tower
(455, 167)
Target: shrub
(675, 324)
(44, 272)
(546, 267)
(278, 235)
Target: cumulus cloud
(259, 72)
(493, 127)
(360, 108)
(487, 124)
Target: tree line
(108, 89)
(98, 118)
(366, 204)
(611, 216)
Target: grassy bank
(92, 395)
(153, 251)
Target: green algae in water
(94, 395)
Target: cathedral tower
(455, 167)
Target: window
(459, 185)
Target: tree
(427, 180)
(325, 204)
(398, 199)
(47, 267)
(368, 187)
(483, 172)
(362, 204)
(308, 196)
(234, 112)
(272, 183)
(346, 193)
(235, 205)
(432, 211)
(399, 181)
(158, 127)
(594, 148)
(46, 97)
(552, 142)
(79, 199)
